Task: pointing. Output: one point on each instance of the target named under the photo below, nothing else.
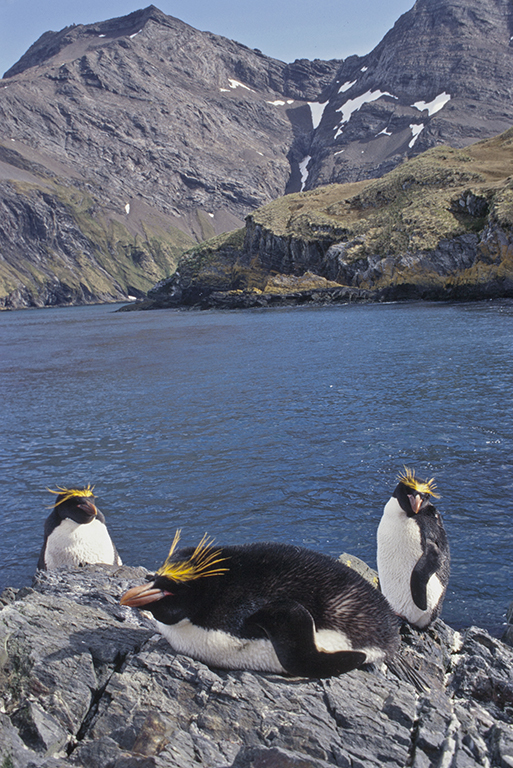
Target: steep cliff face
(60, 243)
(442, 75)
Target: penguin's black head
(414, 496)
(167, 594)
(76, 504)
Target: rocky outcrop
(467, 267)
(87, 682)
(439, 227)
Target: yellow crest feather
(409, 479)
(68, 493)
(202, 562)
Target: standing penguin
(268, 607)
(413, 553)
(75, 532)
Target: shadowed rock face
(86, 682)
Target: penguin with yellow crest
(413, 552)
(268, 607)
(75, 532)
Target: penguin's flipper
(51, 523)
(426, 566)
(290, 628)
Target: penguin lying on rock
(268, 607)
(75, 532)
(413, 552)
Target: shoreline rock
(88, 683)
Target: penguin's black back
(432, 529)
(261, 574)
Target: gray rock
(87, 683)
(360, 567)
(508, 633)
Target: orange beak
(88, 506)
(416, 502)
(138, 596)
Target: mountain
(124, 143)
(442, 75)
(439, 226)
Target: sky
(284, 29)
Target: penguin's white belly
(220, 649)
(74, 544)
(399, 550)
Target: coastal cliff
(87, 682)
(438, 227)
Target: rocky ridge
(122, 143)
(87, 682)
(441, 75)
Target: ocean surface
(279, 424)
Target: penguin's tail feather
(404, 671)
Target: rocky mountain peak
(170, 134)
(48, 47)
(442, 74)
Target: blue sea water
(283, 424)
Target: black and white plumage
(268, 607)
(75, 532)
(413, 552)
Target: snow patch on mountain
(346, 86)
(303, 169)
(353, 105)
(415, 132)
(317, 110)
(433, 106)
(237, 84)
